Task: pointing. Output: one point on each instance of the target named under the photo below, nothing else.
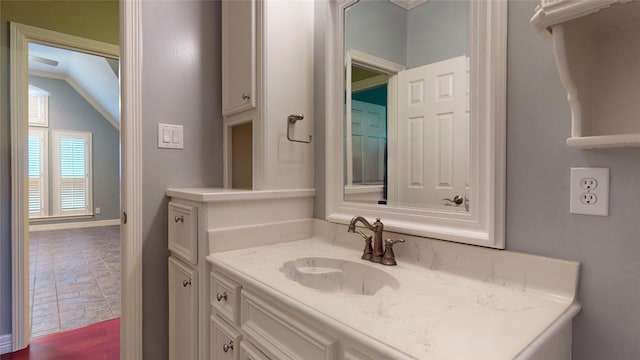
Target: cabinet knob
(222, 296)
(227, 347)
(246, 96)
(186, 283)
(179, 218)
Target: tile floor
(74, 278)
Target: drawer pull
(246, 96)
(186, 283)
(179, 218)
(227, 347)
(222, 296)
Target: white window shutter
(38, 107)
(36, 171)
(73, 173)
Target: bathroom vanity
(301, 300)
(254, 276)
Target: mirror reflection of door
(433, 133)
(368, 136)
(369, 132)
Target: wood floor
(100, 341)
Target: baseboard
(74, 225)
(6, 345)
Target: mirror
(407, 104)
(416, 130)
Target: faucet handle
(389, 258)
(390, 242)
(367, 253)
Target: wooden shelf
(598, 57)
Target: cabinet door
(183, 311)
(224, 340)
(238, 56)
(250, 352)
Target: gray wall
(436, 31)
(538, 219)
(68, 110)
(181, 84)
(378, 28)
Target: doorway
(58, 188)
(73, 188)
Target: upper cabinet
(267, 79)
(238, 56)
(598, 58)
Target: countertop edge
(220, 194)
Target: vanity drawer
(225, 297)
(183, 231)
(224, 340)
(249, 352)
(282, 336)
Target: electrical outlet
(588, 198)
(588, 183)
(98, 211)
(589, 191)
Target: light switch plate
(170, 136)
(589, 191)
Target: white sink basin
(338, 276)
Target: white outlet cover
(601, 191)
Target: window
(38, 107)
(72, 173)
(37, 172)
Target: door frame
(131, 167)
(384, 66)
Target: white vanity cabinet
(204, 310)
(265, 328)
(267, 75)
(183, 311)
(183, 280)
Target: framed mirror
(415, 104)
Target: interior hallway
(74, 278)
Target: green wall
(97, 20)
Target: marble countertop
(434, 314)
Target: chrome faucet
(376, 227)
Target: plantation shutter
(73, 173)
(38, 107)
(36, 161)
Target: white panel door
(368, 141)
(432, 134)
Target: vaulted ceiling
(93, 77)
